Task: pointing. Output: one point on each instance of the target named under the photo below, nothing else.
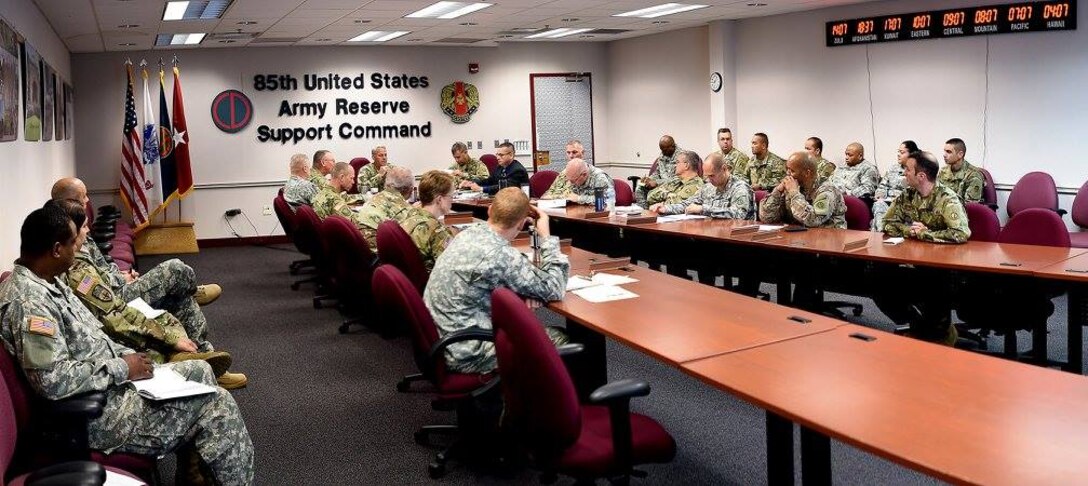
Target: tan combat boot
(206, 294)
(219, 360)
(232, 381)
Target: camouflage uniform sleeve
(811, 215)
(678, 208)
(776, 171)
(548, 281)
(368, 178)
(955, 219)
(826, 169)
(737, 206)
(109, 269)
(868, 179)
(895, 220)
(770, 210)
(973, 185)
(740, 167)
(559, 189)
(884, 185)
(660, 173)
(44, 356)
(685, 191)
(477, 170)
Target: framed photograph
(58, 102)
(49, 89)
(9, 83)
(69, 114)
(32, 94)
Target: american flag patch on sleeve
(40, 325)
(85, 285)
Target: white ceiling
(99, 25)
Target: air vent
(522, 30)
(610, 31)
(276, 40)
(235, 36)
(458, 40)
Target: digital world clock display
(960, 22)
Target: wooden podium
(161, 238)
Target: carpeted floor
(322, 409)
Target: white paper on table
(770, 227)
(551, 203)
(467, 195)
(145, 309)
(604, 293)
(894, 240)
(679, 217)
(632, 209)
(166, 383)
(114, 479)
(576, 282)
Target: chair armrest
(992, 206)
(105, 247)
(87, 406)
(469, 334)
(1061, 212)
(619, 390)
(617, 395)
(73, 473)
(570, 349)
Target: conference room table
(809, 256)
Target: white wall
(232, 160)
(791, 86)
(30, 168)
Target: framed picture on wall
(9, 83)
(49, 88)
(69, 115)
(58, 101)
(32, 94)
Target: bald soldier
(723, 196)
(966, 180)
(815, 147)
(578, 183)
(857, 177)
(391, 203)
(424, 224)
(299, 189)
(481, 259)
(684, 185)
(798, 200)
(62, 351)
(664, 168)
(329, 199)
(765, 169)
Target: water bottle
(525, 189)
(534, 243)
(598, 199)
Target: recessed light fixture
(661, 10)
(246, 22)
(378, 36)
(468, 24)
(447, 10)
(179, 39)
(195, 10)
(557, 33)
(128, 26)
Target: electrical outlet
(266, 210)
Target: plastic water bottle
(598, 199)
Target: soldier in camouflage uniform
(824, 168)
(372, 175)
(323, 164)
(392, 203)
(858, 177)
(966, 180)
(63, 352)
(891, 185)
(423, 224)
(723, 196)
(686, 183)
(736, 160)
(465, 167)
(299, 189)
(329, 200)
(765, 169)
(921, 298)
(664, 169)
(481, 259)
(578, 182)
(797, 199)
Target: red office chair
(33, 417)
(586, 441)
(624, 195)
(541, 181)
(288, 221)
(308, 238)
(989, 193)
(401, 303)
(357, 163)
(491, 162)
(858, 216)
(398, 249)
(1034, 190)
(983, 222)
(1079, 214)
(760, 195)
(351, 264)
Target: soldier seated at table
(798, 200)
(579, 182)
(684, 185)
(481, 259)
(664, 169)
(330, 198)
(391, 203)
(857, 177)
(63, 352)
(424, 224)
(299, 189)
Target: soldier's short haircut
(433, 184)
(318, 156)
(399, 179)
(66, 188)
(509, 208)
(374, 151)
(298, 162)
(724, 130)
(692, 159)
(717, 161)
(75, 211)
(816, 142)
(507, 145)
(957, 144)
(763, 136)
(925, 163)
(910, 145)
(575, 142)
(808, 162)
(458, 147)
(43, 228)
(340, 169)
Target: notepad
(770, 227)
(679, 217)
(578, 282)
(551, 203)
(145, 308)
(632, 209)
(604, 293)
(894, 240)
(168, 384)
(115, 479)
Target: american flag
(132, 164)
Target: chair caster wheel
(343, 329)
(420, 437)
(436, 470)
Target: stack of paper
(551, 203)
(604, 293)
(145, 308)
(601, 287)
(679, 217)
(167, 384)
(580, 282)
(632, 209)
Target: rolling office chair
(624, 195)
(1079, 213)
(540, 182)
(350, 264)
(401, 303)
(357, 164)
(989, 192)
(858, 217)
(491, 162)
(398, 249)
(287, 221)
(634, 179)
(308, 232)
(1034, 190)
(983, 222)
(542, 413)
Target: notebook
(168, 384)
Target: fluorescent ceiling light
(175, 10)
(195, 10)
(447, 10)
(660, 10)
(378, 36)
(179, 39)
(557, 33)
